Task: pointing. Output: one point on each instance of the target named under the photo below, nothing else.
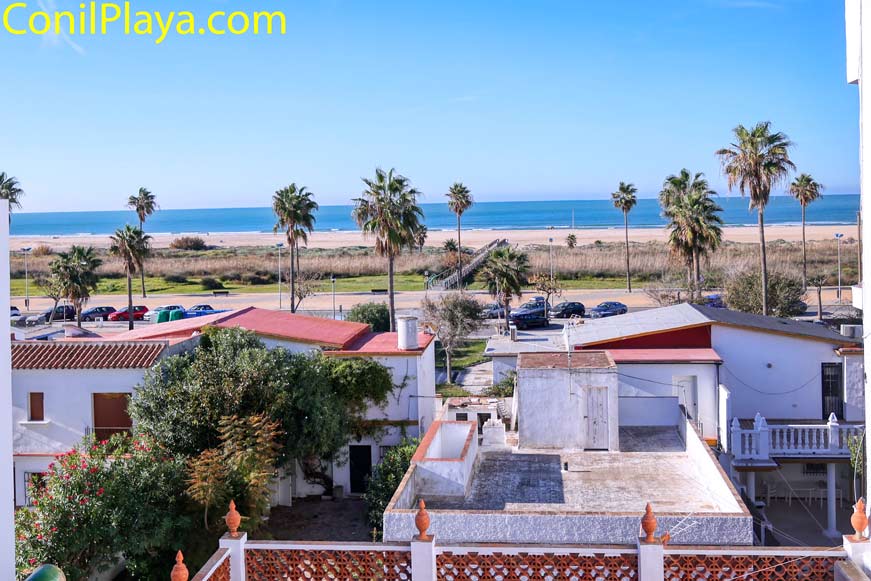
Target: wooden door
(597, 418)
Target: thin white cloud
(54, 38)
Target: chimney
(407, 332)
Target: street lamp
(26, 250)
(550, 252)
(838, 237)
(280, 245)
(333, 281)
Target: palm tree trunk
(292, 245)
(390, 303)
(130, 301)
(459, 257)
(690, 285)
(820, 302)
(803, 252)
(626, 231)
(764, 262)
(142, 270)
(79, 306)
(697, 272)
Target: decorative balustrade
(764, 441)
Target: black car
(61, 313)
(531, 314)
(567, 310)
(95, 313)
(608, 309)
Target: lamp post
(426, 284)
(333, 281)
(280, 245)
(26, 250)
(550, 252)
(838, 237)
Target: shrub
(256, 279)
(385, 480)
(209, 283)
(188, 243)
(376, 315)
(41, 250)
(744, 293)
(504, 388)
(175, 279)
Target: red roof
(665, 356)
(276, 324)
(372, 344)
(85, 355)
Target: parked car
(95, 313)
(121, 314)
(715, 301)
(531, 314)
(568, 309)
(16, 312)
(201, 307)
(61, 313)
(493, 311)
(608, 309)
(151, 316)
(201, 310)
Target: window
(813, 469)
(462, 416)
(833, 390)
(110, 414)
(36, 411)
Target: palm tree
(11, 191)
(144, 204)
(504, 272)
(624, 200)
(459, 200)
(388, 211)
(695, 225)
(77, 272)
(294, 208)
(132, 246)
(755, 162)
(571, 240)
(805, 189)
(420, 237)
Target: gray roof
(685, 315)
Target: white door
(686, 389)
(597, 418)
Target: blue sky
(519, 99)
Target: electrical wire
(758, 571)
(763, 392)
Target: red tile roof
(275, 324)
(373, 344)
(697, 355)
(578, 360)
(85, 355)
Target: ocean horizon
(832, 209)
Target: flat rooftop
(575, 360)
(652, 466)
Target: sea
(521, 215)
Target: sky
(519, 99)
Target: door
(110, 414)
(597, 418)
(360, 460)
(833, 390)
(686, 388)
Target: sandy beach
(471, 238)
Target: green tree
(455, 316)
(817, 282)
(504, 272)
(755, 162)
(805, 189)
(76, 271)
(295, 210)
(743, 293)
(571, 241)
(376, 315)
(624, 199)
(132, 246)
(10, 190)
(385, 479)
(144, 204)
(459, 200)
(694, 222)
(388, 211)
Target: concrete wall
(502, 366)
(854, 393)
(448, 462)
(709, 468)
(650, 411)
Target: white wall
(650, 411)
(854, 392)
(502, 366)
(7, 532)
(791, 388)
(447, 466)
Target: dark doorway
(833, 390)
(360, 459)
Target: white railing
(764, 441)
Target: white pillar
(423, 559)
(237, 554)
(751, 485)
(7, 479)
(651, 561)
(831, 501)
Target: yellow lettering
(212, 17)
(185, 23)
(270, 16)
(93, 18)
(8, 25)
(32, 23)
(106, 19)
(163, 29)
(143, 23)
(127, 18)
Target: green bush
(385, 480)
(744, 293)
(175, 279)
(208, 283)
(189, 243)
(376, 315)
(504, 388)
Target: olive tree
(454, 316)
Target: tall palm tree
(504, 272)
(459, 200)
(388, 211)
(132, 246)
(624, 200)
(77, 272)
(755, 162)
(11, 191)
(144, 204)
(295, 210)
(694, 222)
(805, 189)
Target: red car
(121, 314)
